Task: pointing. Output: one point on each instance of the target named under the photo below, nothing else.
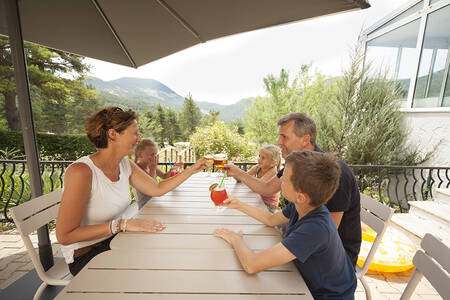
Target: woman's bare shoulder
(78, 170)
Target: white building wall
(427, 129)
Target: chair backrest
(434, 264)
(31, 215)
(375, 215)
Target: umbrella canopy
(136, 32)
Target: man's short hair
(315, 174)
(303, 124)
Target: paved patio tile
(13, 277)
(10, 269)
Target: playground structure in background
(175, 154)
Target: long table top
(185, 260)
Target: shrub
(218, 138)
(50, 146)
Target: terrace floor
(15, 263)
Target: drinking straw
(224, 175)
(170, 163)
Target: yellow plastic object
(394, 254)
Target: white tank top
(108, 200)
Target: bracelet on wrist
(115, 226)
(125, 225)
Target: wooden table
(185, 261)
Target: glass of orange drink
(218, 195)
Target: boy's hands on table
(227, 235)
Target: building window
(395, 51)
(446, 100)
(432, 78)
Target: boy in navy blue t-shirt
(312, 240)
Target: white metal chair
(434, 264)
(375, 215)
(28, 217)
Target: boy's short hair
(315, 174)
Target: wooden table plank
(138, 240)
(188, 219)
(199, 211)
(187, 204)
(177, 281)
(247, 229)
(178, 296)
(234, 193)
(169, 259)
(250, 199)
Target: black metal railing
(392, 185)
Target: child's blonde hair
(274, 153)
(142, 145)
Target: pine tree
(172, 126)
(190, 117)
(56, 84)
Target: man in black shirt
(297, 132)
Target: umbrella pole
(11, 15)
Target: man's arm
(265, 188)
(262, 215)
(255, 262)
(337, 217)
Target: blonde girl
(269, 163)
(146, 157)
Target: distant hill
(140, 94)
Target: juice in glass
(218, 195)
(220, 160)
(174, 171)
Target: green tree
(56, 84)
(237, 125)
(190, 116)
(161, 118)
(218, 138)
(172, 126)
(149, 125)
(212, 117)
(362, 123)
(306, 93)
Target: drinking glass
(218, 195)
(220, 160)
(209, 162)
(174, 171)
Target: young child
(269, 163)
(146, 157)
(312, 241)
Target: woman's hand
(232, 202)
(144, 225)
(199, 165)
(227, 235)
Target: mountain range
(140, 94)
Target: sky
(229, 69)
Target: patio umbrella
(136, 32)
(133, 33)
